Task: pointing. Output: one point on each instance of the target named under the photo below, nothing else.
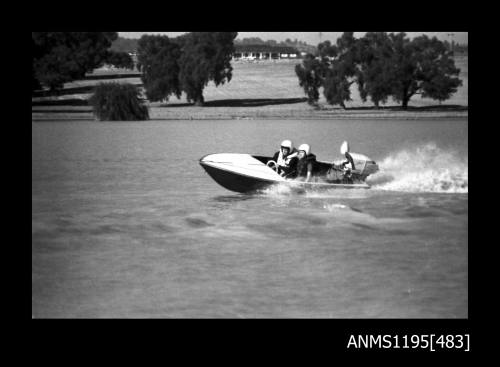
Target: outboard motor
(363, 166)
(360, 165)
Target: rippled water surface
(125, 223)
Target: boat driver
(286, 158)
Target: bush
(118, 102)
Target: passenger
(306, 163)
(286, 158)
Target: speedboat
(249, 173)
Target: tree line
(382, 65)
(299, 45)
(259, 41)
(130, 45)
(169, 66)
(60, 57)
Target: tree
(333, 70)
(120, 60)
(36, 53)
(375, 75)
(336, 87)
(389, 65)
(422, 66)
(342, 72)
(60, 57)
(251, 41)
(311, 74)
(125, 45)
(327, 50)
(205, 56)
(158, 60)
(383, 66)
(312, 71)
(118, 102)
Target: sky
(313, 38)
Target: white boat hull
(247, 173)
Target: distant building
(264, 52)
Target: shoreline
(283, 112)
(271, 118)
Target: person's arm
(292, 168)
(309, 172)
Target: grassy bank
(258, 90)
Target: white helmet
(287, 144)
(306, 148)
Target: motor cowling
(363, 165)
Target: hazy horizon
(313, 38)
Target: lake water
(126, 223)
